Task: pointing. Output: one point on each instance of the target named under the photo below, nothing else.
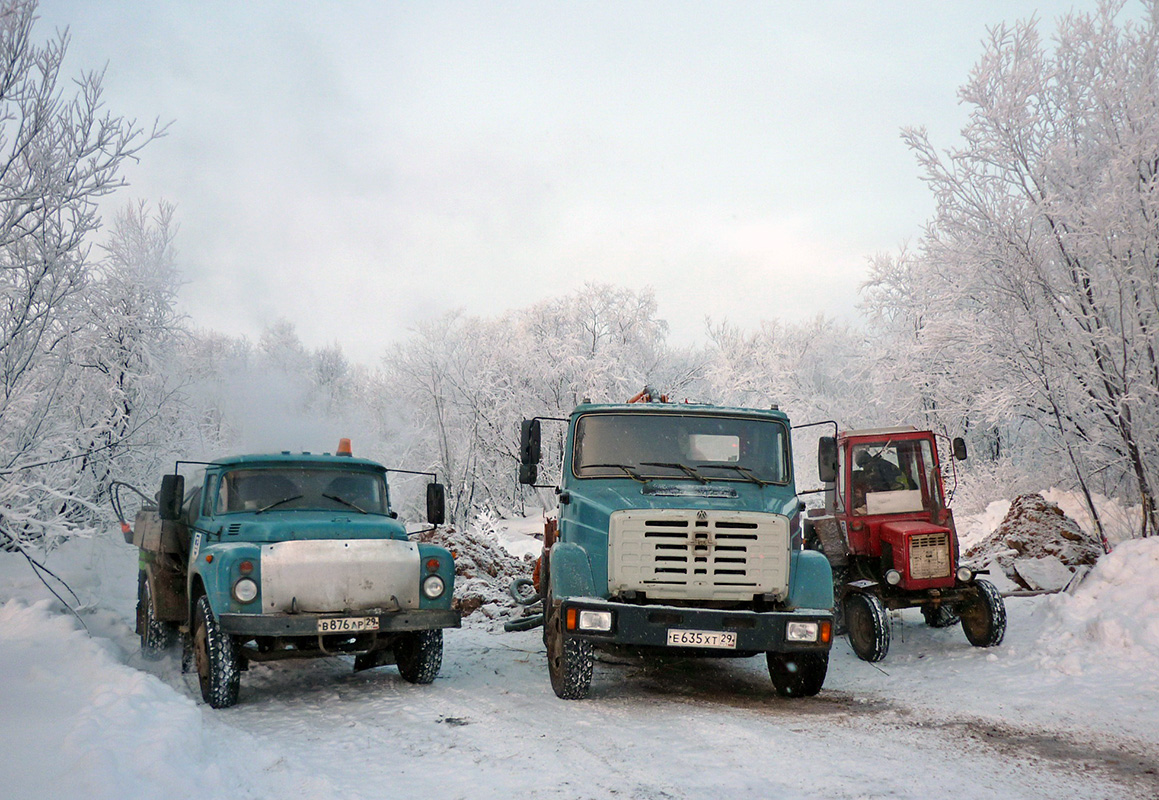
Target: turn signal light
(826, 632)
(245, 567)
(432, 565)
(572, 619)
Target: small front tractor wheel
(569, 659)
(940, 616)
(419, 655)
(156, 635)
(984, 620)
(867, 623)
(215, 654)
(798, 674)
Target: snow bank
(1112, 618)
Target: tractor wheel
(940, 616)
(867, 623)
(984, 620)
(569, 659)
(419, 655)
(797, 674)
(156, 635)
(216, 657)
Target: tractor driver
(881, 475)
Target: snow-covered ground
(1067, 706)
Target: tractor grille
(929, 555)
(674, 554)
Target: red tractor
(890, 538)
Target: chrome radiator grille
(704, 555)
(929, 555)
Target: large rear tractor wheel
(419, 655)
(569, 659)
(940, 616)
(984, 620)
(798, 674)
(156, 635)
(867, 623)
(215, 654)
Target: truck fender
(571, 574)
(811, 584)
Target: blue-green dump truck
(269, 557)
(678, 533)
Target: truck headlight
(595, 620)
(245, 590)
(893, 577)
(801, 632)
(433, 586)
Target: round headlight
(245, 591)
(893, 577)
(433, 586)
(965, 574)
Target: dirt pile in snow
(1036, 546)
(483, 570)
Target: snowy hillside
(1067, 706)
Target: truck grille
(929, 555)
(702, 555)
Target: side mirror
(529, 441)
(827, 459)
(528, 474)
(170, 497)
(959, 447)
(436, 503)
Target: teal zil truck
(269, 557)
(678, 533)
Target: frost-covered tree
(1037, 282)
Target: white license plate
(724, 640)
(347, 624)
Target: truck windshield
(893, 477)
(698, 447)
(301, 488)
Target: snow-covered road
(85, 717)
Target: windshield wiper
(748, 473)
(278, 503)
(636, 476)
(344, 502)
(687, 470)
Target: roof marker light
(344, 448)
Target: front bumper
(648, 625)
(307, 624)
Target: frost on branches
(1035, 294)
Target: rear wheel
(215, 654)
(419, 655)
(569, 659)
(797, 674)
(156, 635)
(984, 620)
(940, 616)
(867, 624)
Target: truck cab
(677, 533)
(889, 535)
(276, 556)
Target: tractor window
(681, 447)
(891, 477)
(297, 489)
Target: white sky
(357, 167)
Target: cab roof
(680, 408)
(286, 458)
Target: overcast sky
(358, 167)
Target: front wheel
(569, 659)
(798, 674)
(419, 655)
(984, 620)
(156, 635)
(215, 654)
(867, 623)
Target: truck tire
(569, 659)
(867, 624)
(215, 654)
(798, 674)
(419, 655)
(984, 620)
(940, 616)
(156, 635)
